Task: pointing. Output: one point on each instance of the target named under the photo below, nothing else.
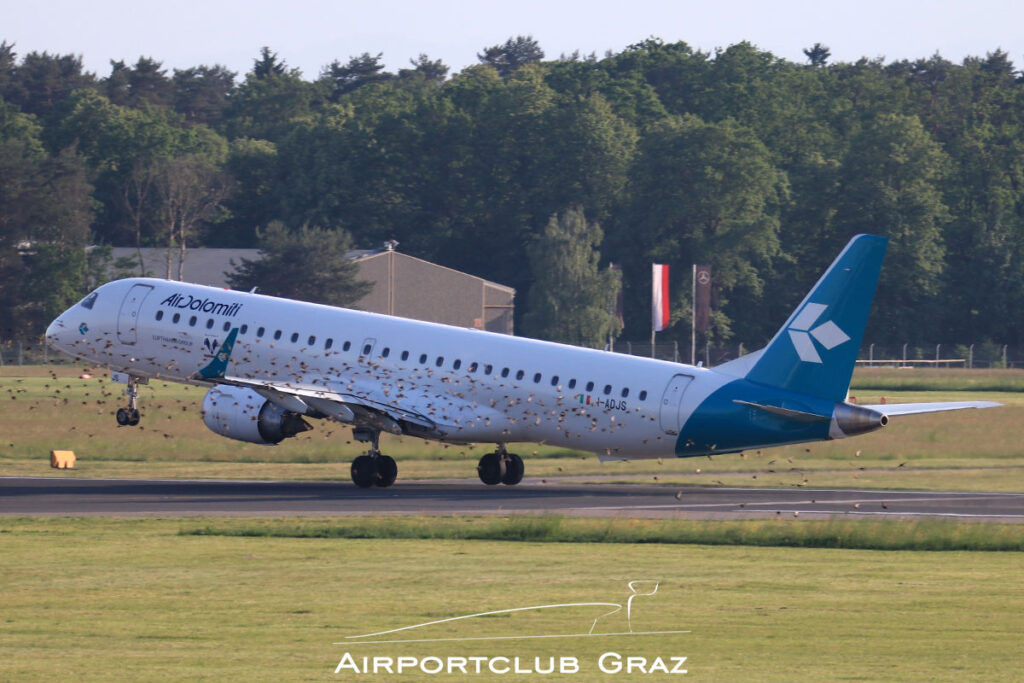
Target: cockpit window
(88, 301)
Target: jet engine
(242, 414)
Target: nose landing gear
(129, 417)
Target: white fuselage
(475, 386)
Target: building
(403, 285)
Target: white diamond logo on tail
(828, 334)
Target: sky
(309, 34)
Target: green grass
(967, 450)
(106, 600)
(856, 534)
(937, 379)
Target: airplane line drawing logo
(635, 592)
(828, 334)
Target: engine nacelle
(242, 414)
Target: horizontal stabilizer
(891, 409)
(787, 413)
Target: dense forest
(539, 173)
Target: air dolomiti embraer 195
(271, 363)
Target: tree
(359, 71)
(191, 191)
(310, 264)
(268, 65)
(572, 299)
(424, 67)
(702, 193)
(43, 81)
(817, 55)
(201, 93)
(269, 102)
(515, 53)
(890, 186)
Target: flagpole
(693, 316)
(654, 322)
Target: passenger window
(385, 353)
(192, 321)
(504, 372)
(590, 386)
(260, 331)
(520, 374)
(176, 318)
(245, 328)
(227, 326)
(346, 346)
(159, 315)
(625, 392)
(311, 340)
(457, 364)
(472, 367)
(209, 323)
(295, 337)
(405, 355)
(440, 361)
(643, 395)
(329, 343)
(536, 378)
(572, 384)
(487, 369)
(423, 359)
(367, 348)
(277, 334)
(607, 389)
(554, 380)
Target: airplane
(271, 364)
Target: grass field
(101, 600)
(969, 450)
(269, 599)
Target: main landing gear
(375, 468)
(129, 417)
(501, 467)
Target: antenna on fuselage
(253, 290)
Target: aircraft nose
(55, 332)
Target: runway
(68, 497)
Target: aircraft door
(671, 401)
(128, 316)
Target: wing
(891, 409)
(313, 399)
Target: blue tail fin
(815, 351)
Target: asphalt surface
(181, 498)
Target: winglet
(216, 368)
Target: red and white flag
(659, 296)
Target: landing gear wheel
(387, 471)
(491, 469)
(129, 417)
(514, 469)
(364, 471)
